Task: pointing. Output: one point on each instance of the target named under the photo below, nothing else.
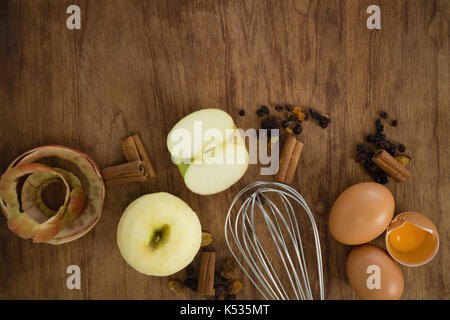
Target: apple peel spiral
(27, 214)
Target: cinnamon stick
(144, 157)
(129, 169)
(290, 156)
(130, 149)
(391, 166)
(206, 273)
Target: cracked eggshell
(426, 252)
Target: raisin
(394, 123)
(270, 123)
(242, 112)
(381, 178)
(191, 283)
(379, 126)
(228, 267)
(361, 156)
(324, 122)
(259, 112)
(383, 115)
(265, 109)
(190, 270)
(175, 285)
(402, 147)
(360, 147)
(288, 108)
(235, 287)
(285, 124)
(403, 160)
(206, 239)
(292, 118)
(218, 280)
(279, 108)
(306, 116)
(315, 115)
(297, 129)
(221, 288)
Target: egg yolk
(407, 238)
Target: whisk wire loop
(282, 226)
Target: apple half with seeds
(159, 234)
(209, 151)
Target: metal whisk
(283, 228)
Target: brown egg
(412, 239)
(373, 274)
(361, 213)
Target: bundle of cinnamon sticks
(138, 167)
(290, 156)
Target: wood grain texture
(139, 66)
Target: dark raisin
(259, 112)
(360, 147)
(297, 129)
(292, 118)
(324, 122)
(381, 178)
(386, 145)
(401, 147)
(315, 115)
(285, 124)
(379, 126)
(242, 112)
(370, 138)
(362, 156)
(394, 123)
(190, 270)
(306, 116)
(221, 289)
(230, 297)
(378, 136)
(265, 109)
(270, 123)
(191, 283)
(288, 107)
(279, 108)
(219, 280)
(383, 115)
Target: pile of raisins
(287, 119)
(377, 140)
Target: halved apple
(226, 167)
(209, 151)
(159, 234)
(185, 140)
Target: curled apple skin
(19, 222)
(77, 222)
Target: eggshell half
(368, 264)
(422, 222)
(361, 213)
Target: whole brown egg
(361, 213)
(373, 274)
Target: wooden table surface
(139, 66)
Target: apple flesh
(208, 119)
(159, 234)
(219, 162)
(208, 178)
